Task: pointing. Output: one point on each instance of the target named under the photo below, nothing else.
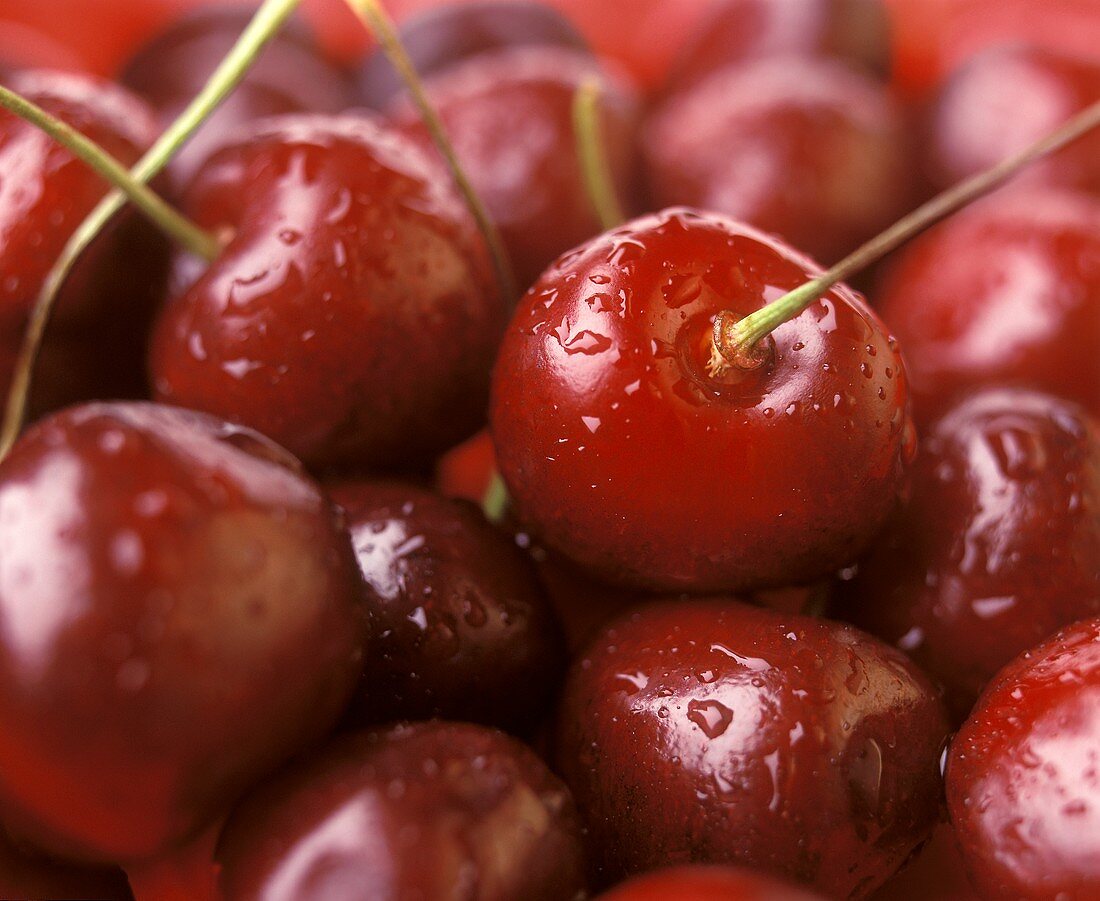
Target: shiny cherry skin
(429, 810)
(1028, 265)
(439, 37)
(999, 544)
(647, 470)
(809, 149)
(23, 875)
(709, 731)
(290, 76)
(706, 883)
(509, 114)
(463, 628)
(182, 614)
(1023, 775)
(353, 315)
(1005, 99)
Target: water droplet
(986, 608)
(240, 367)
(753, 664)
(711, 716)
(419, 618)
(592, 423)
(127, 552)
(637, 679)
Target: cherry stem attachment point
(599, 181)
(735, 343)
(372, 15)
(174, 224)
(265, 24)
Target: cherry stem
(736, 342)
(495, 499)
(265, 24)
(591, 151)
(381, 25)
(111, 170)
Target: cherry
(647, 469)
(808, 148)
(1028, 266)
(1003, 100)
(509, 115)
(467, 469)
(181, 614)
(709, 731)
(30, 876)
(999, 545)
(1023, 784)
(936, 872)
(702, 883)
(352, 316)
(464, 630)
(430, 810)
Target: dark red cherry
(431, 810)
(1007, 291)
(1006, 98)
(706, 883)
(24, 875)
(463, 628)
(290, 76)
(646, 469)
(438, 37)
(936, 871)
(509, 115)
(709, 731)
(352, 316)
(1023, 775)
(810, 149)
(999, 545)
(181, 614)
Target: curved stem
(599, 181)
(748, 331)
(107, 167)
(264, 25)
(375, 18)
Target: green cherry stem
(111, 170)
(495, 500)
(736, 340)
(380, 24)
(265, 24)
(599, 182)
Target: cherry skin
(430, 810)
(1028, 265)
(509, 115)
(352, 316)
(810, 149)
(709, 731)
(999, 545)
(463, 628)
(1023, 775)
(1007, 98)
(703, 883)
(182, 614)
(647, 470)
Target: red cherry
(467, 470)
(509, 116)
(708, 731)
(999, 545)
(624, 454)
(1028, 266)
(181, 614)
(352, 316)
(701, 883)
(464, 630)
(1023, 775)
(807, 148)
(26, 876)
(420, 811)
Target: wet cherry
(703, 883)
(181, 614)
(647, 469)
(709, 731)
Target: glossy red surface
(999, 545)
(810, 149)
(509, 116)
(1005, 292)
(1023, 776)
(352, 316)
(702, 883)
(708, 731)
(645, 469)
(180, 613)
(431, 810)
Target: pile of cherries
(819, 623)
